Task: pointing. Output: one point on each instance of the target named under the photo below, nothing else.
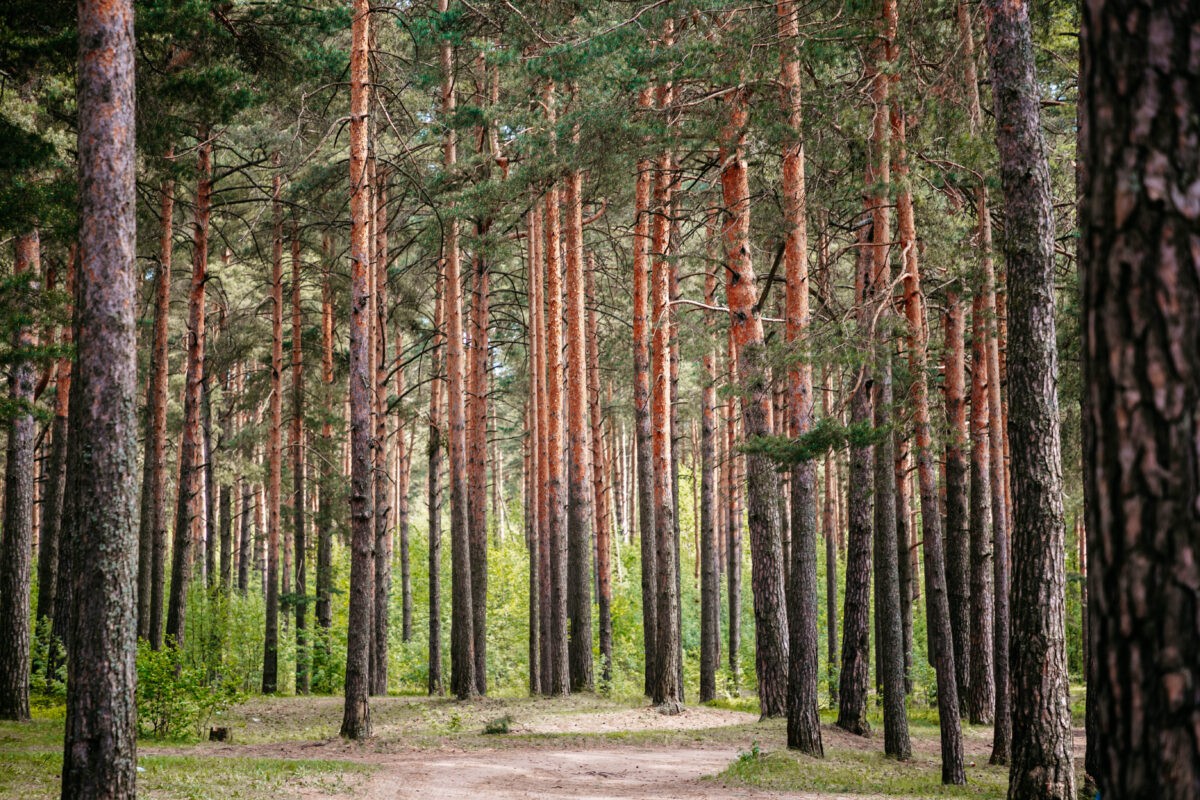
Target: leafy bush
(176, 701)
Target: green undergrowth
(33, 775)
(858, 772)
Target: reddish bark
(770, 603)
(356, 716)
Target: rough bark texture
(829, 529)
(434, 464)
(100, 745)
(601, 495)
(767, 581)
(556, 494)
(16, 546)
(941, 643)
(852, 682)
(981, 697)
(1041, 719)
(733, 523)
(325, 511)
(890, 641)
(152, 537)
(668, 688)
(50, 536)
(804, 722)
(709, 555)
(957, 537)
(535, 497)
(477, 386)
(382, 481)
(190, 448)
(462, 626)
(1139, 142)
(299, 518)
(641, 407)
(270, 676)
(356, 713)
(579, 501)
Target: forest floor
(579, 747)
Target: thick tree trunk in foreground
(152, 537)
(325, 510)
(16, 547)
(190, 448)
(1141, 300)
(356, 715)
(1042, 765)
(770, 601)
(100, 745)
(535, 496)
(804, 722)
(477, 409)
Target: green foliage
(499, 725)
(176, 701)
(48, 676)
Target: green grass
(35, 775)
(860, 773)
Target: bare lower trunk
(100, 745)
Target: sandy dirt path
(607, 773)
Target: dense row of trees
(664, 273)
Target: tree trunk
(556, 476)
(299, 521)
(325, 512)
(50, 537)
(668, 689)
(1041, 722)
(600, 488)
(382, 483)
(770, 601)
(16, 546)
(804, 722)
(152, 537)
(856, 645)
(936, 599)
(733, 532)
(189, 451)
(829, 529)
(535, 495)
(641, 408)
(1141, 300)
(477, 385)
(709, 555)
(100, 743)
(981, 698)
(436, 435)
(958, 541)
(356, 714)
(579, 508)
(270, 678)
(403, 487)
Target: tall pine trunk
(270, 677)
(100, 742)
(16, 546)
(356, 713)
(190, 448)
(767, 582)
(804, 722)
(1041, 719)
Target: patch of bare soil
(587, 774)
(634, 719)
